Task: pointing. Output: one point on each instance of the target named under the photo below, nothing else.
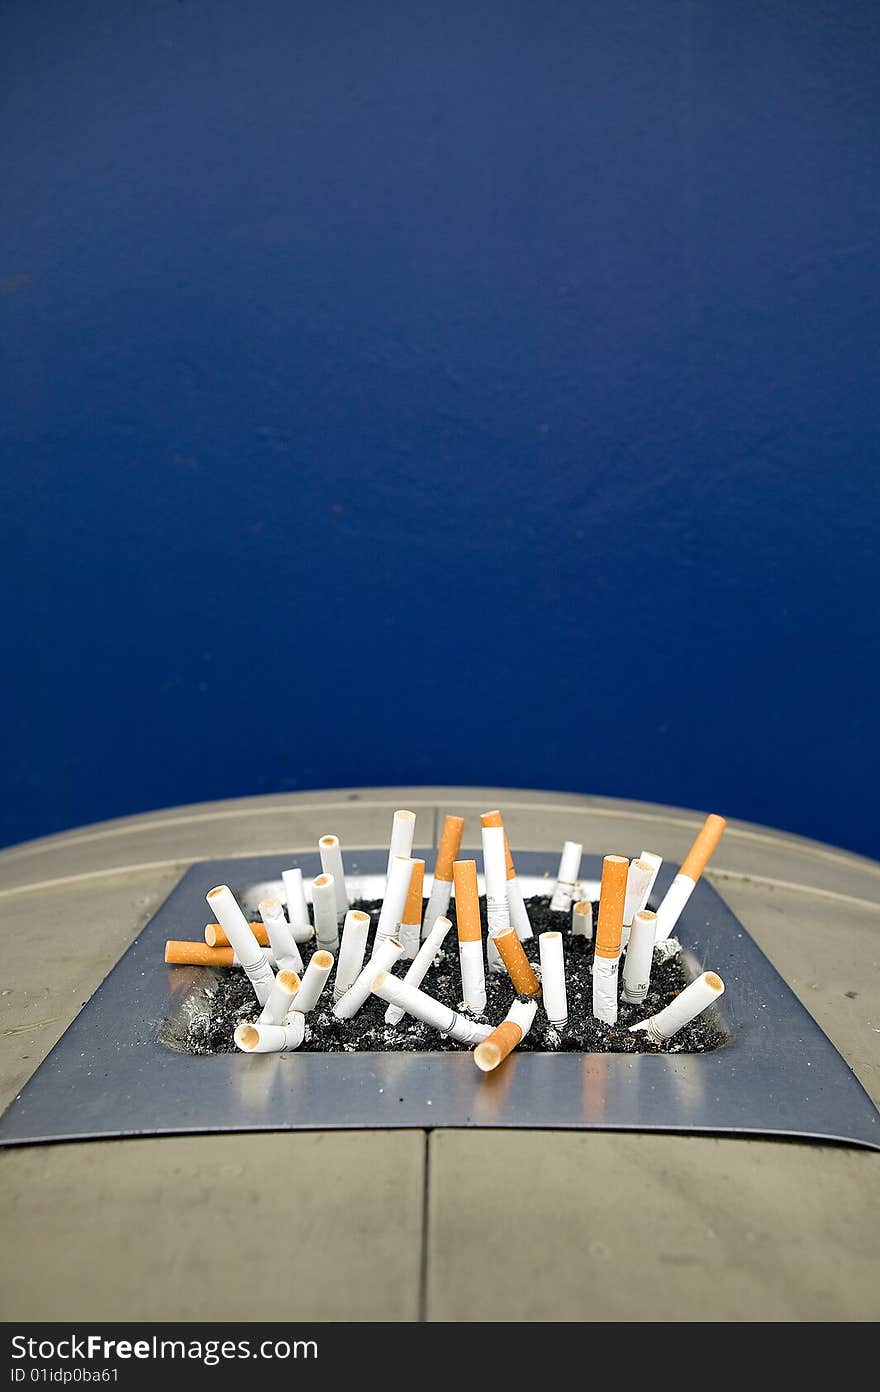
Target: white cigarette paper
(351, 953)
(566, 880)
(430, 1011)
(639, 957)
(655, 861)
(330, 852)
(384, 957)
(691, 1002)
(674, 900)
(313, 982)
(495, 870)
(403, 827)
(297, 908)
(638, 881)
(324, 901)
(223, 905)
(438, 904)
(519, 914)
(553, 979)
(281, 940)
(582, 920)
(396, 890)
(280, 1001)
(473, 976)
(605, 989)
(419, 968)
(271, 1039)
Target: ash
(205, 1020)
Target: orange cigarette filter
(215, 936)
(703, 849)
(496, 1046)
(467, 901)
(493, 819)
(197, 954)
(519, 968)
(450, 845)
(414, 907)
(612, 894)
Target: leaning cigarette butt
(351, 953)
(518, 914)
(685, 882)
(215, 937)
(419, 968)
(686, 1007)
(424, 1007)
(638, 879)
(495, 869)
(609, 927)
(553, 989)
(470, 935)
(582, 919)
(313, 982)
(655, 861)
(297, 908)
(441, 889)
(386, 954)
(261, 1038)
(330, 852)
(281, 939)
(199, 954)
(566, 880)
(639, 957)
(403, 827)
(411, 919)
(324, 903)
(394, 903)
(450, 845)
(280, 1001)
(506, 1036)
(223, 904)
(516, 963)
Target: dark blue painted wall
(440, 392)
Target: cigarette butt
(467, 901)
(351, 953)
(297, 908)
(330, 852)
(582, 919)
(314, 979)
(281, 939)
(281, 996)
(553, 988)
(701, 851)
(215, 936)
(263, 1038)
(494, 819)
(403, 827)
(197, 954)
(519, 968)
(324, 905)
(506, 1036)
(424, 1007)
(412, 909)
(612, 896)
(639, 957)
(686, 1006)
(450, 845)
(566, 880)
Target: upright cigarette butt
(351, 953)
(281, 938)
(494, 867)
(703, 849)
(655, 861)
(470, 935)
(223, 904)
(403, 827)
(297, 908)
(450, 845)
(518, 913)
(506, 1036)
(326, 922)
(313, 982)
(566, 879)
(196, 954)
(396, 890)
(582, 919)
(688, 1004)
(518, 966)
(411, 919)
(612, 895)
(553, 989)
(330, 852)
(685, 882)
(278, 1006)
(215, 937)
(639, 957)
(638, 879)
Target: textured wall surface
(440, 392)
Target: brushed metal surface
(109, 1075)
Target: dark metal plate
(779, 1074)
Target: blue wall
(440, 392)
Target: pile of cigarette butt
(630, 940)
